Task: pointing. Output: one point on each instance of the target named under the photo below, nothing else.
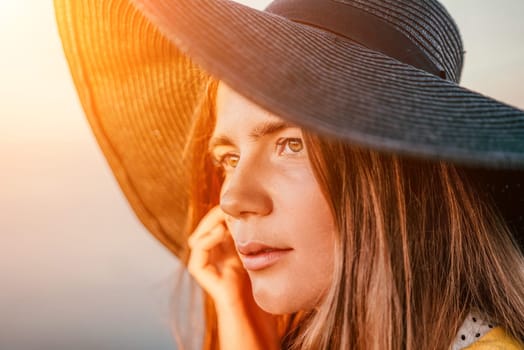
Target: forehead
(235, 112)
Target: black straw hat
(381, 74)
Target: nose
(243, 192)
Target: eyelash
(220, 161)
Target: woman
(365, 199)
(406, 231)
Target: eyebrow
(262, 129)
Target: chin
(279, 302)
(274, 307)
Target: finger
(228, 242)
(207, 223)
(207, 277)
(200, 252)
(199, 264)
(220, 250)
(229, 254)
(227, 246)
(212, 239)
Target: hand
(214, 262)
(215, 265)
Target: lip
(257, 256)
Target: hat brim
(334, 86)
(139, 86)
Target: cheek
(315, 232)
(309, 228)
(304, 202)
(315, 244)
(299, 283)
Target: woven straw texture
(139, 88)
(321, 81)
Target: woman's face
(280, 221)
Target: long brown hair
(418, 248)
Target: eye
(226, 161)
(290, 146)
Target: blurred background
(77, 270)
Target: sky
(77, 269)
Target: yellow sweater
(496, 339)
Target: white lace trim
(473, 328)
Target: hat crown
(401, 29)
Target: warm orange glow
(74, 261)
